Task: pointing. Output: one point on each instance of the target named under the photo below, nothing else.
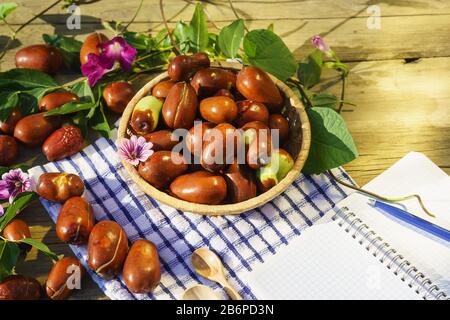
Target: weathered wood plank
(221, 11)
(397, 94)
(400, 37)
(400, 108)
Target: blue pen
(412, 219)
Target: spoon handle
(234, 295)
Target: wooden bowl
(298, 146)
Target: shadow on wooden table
(89, 24)
(14, 44)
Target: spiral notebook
(358, 252)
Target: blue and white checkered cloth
(242, 241)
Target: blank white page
(325, 262)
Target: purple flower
(14, 182)
(119, 50)
(135, 150)
(95, 68)
(116, 50)
(320, 44)
(2, 211)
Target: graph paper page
(325, 262)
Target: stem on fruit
(419, 199)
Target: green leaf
(26, 79)
(324, 100)
(20, 202)
(139, 41)
(9, 252)
(182, 31)
(70, 107)
(213, 47)
(183, 34)
(69, 48)
(331, 143)
(100, 123)
(40, 246)
(8, 101)
(153, 60)
(230, 38)
(267, 51)
(199, 28)
(81, 120)
(28, 104)
(65, 43)
(83, 90)
(310, 69)
(270, 27)
(38, 92)
(29, 99)
(6, 8)
(162, 39)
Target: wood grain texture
(220, 10)
(400, 37)
(400, 107)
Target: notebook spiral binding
(388, 256)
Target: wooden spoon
(200, 292)
(207, 264)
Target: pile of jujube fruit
(237, 107)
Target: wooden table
(399, 81)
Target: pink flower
(135, 150)
(320, 44)
(119, 50)
(95, 68)
(116, 50)
(14, 182)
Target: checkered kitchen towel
(242, 241)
